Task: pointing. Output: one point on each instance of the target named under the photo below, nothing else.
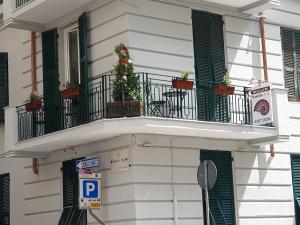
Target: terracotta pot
(222, 89)
(119, 109)
(182, 84)
(33, 105)
(70, 93)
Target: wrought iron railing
(19, 3)
(158, 99)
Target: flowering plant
(126, 84)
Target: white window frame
(67, 30)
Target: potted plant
(34, 103)
(224, 88)
(71, 90)
(183, 82)
(126, 87)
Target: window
(4, 199)
(291, 61)
(3, 84)
(72, 65)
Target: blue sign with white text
(90, 188)
(87, 164)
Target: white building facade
(45, 44)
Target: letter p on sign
(90, 189)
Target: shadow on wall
(251, 171)
(244, 61)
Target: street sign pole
(206, 193)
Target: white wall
(43, 193)
(262, 185)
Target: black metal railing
(19, 3)
(158, 99)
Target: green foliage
(70, 85)
(33, 96)
(185, 74)
(226, 79)
(126, 84)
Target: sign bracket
(96, 217)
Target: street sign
(211, 174)
(89, 189)
(207, 176)
(93, 163)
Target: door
(221, 196)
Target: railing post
(11, 127)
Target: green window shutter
(50, 62)
(3, 84)
(295, 164)
(210, 67)
(82, 21)
(71, 213)
(289, 61)
(221, 195)
(52, 99)
(4, 199)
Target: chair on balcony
(155, 100)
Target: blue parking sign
(90, 188)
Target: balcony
(162, 109)
(26, 14)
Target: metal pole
(96, 218)
(206, 193)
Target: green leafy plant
(185, 74)
(33, 96)
(126, 85)
(70, 85)
(226, 79)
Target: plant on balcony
(126, 87)
(224, 88)
(33, 103)
(71, 90)
(183, 82)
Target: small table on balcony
(174, 99)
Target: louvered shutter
(4, 199)
(295, 161)
(52, 99)
(209, 65)
(71, 213)
(289, 62)
(221, 196)
(3, 84)
(83, 67)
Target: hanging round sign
(211, 174)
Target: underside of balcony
(210, 132)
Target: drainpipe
(33, 87)
(265, 62)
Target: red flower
(123, 60)
(125, 49)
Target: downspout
(265, 62)
(33, 87)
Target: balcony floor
(108, 128)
